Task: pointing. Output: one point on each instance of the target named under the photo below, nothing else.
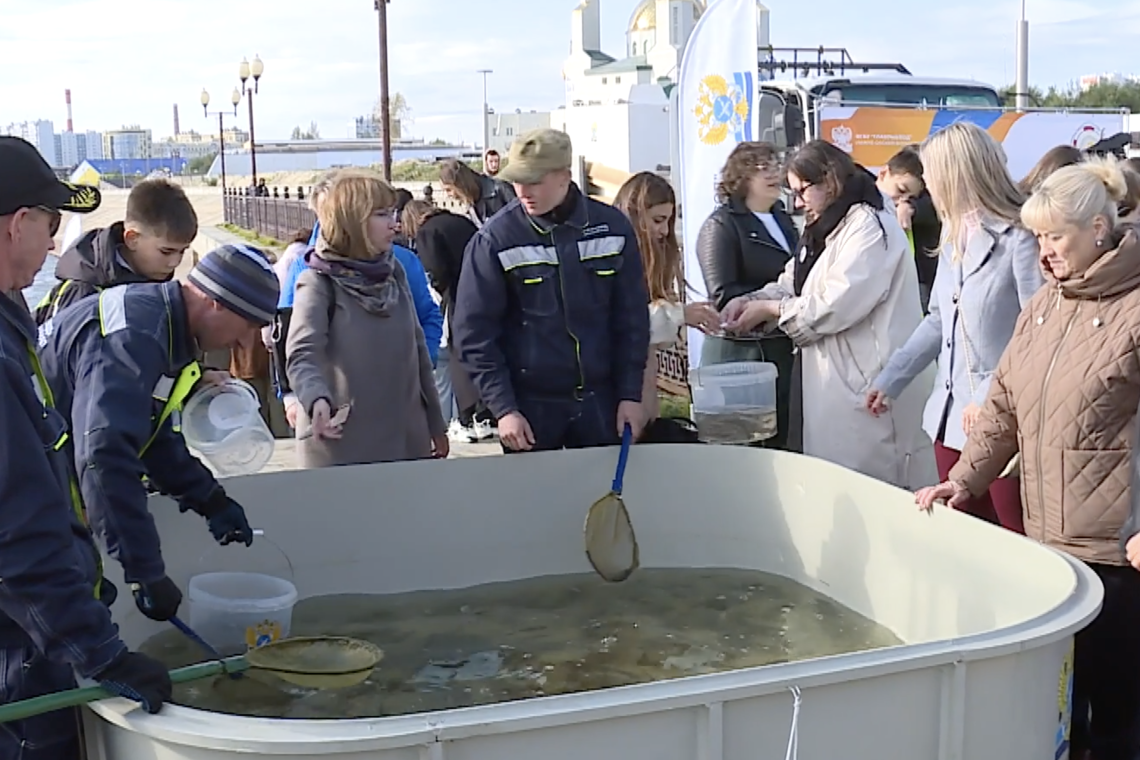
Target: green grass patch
(413, 170)
(254, 237)
(673, 406)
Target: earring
(1100, 244)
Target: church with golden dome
(617, 109)
(655, 40)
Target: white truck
(873, 110)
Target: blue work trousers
(589, 419)
(27, 673)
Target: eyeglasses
(55, 217)
(800, 193)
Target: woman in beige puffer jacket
(1065, 394)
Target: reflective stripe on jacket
(552, 310)
(120, 367)
(48, 561)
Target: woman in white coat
(848, 300)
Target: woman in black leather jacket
(744, 245)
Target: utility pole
(252, 144)
(486, 129)
(385, 104)
(1022, 85)
(245, 70)
(222, 149)
(205, 101)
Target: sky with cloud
(129, 61)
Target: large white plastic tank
(988, 617)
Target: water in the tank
(543, 636)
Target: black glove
(138, 677)
(108, 592)
(158, 600)
(226, 519)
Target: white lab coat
(859, 304)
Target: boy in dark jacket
(902, 180)
(147, 246)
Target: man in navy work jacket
(52, 621)
(120, 364)
(551, 314)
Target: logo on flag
(724, 108)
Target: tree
(312, 133)
(399, 114)
(1102, 95)
(201, 164)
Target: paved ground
(285, 455)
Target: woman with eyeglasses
(847, 299)
(742, 247)
(356, 356)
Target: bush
(420, 171)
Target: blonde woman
(1065, 394)
(987, 271)
(354, 339)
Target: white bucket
(240, 611)
(223, 424)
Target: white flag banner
(716, 93)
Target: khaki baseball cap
(536, 154)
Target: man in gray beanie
(120, 364)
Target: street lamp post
(381, 7)
(245, 70)
(486, 129)
(235, 98)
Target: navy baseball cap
(26, 181)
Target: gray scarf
(371, 282)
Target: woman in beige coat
(1065, 394)
(848, 300)
(354, 339)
